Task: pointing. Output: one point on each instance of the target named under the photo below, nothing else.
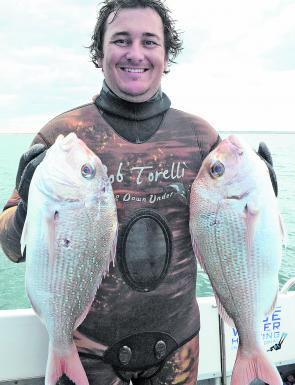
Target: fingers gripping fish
(237, 237)
(70, 238)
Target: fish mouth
(67, 142)
(236, 143)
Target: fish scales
(70, 237)
(236, 232)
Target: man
(144, 322)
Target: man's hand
(27, 166)
(265, 155)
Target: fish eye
(217, 169)
(88, 171)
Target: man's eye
(121, 42)
(150, 43)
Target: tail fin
(69, 364)
(247, 368)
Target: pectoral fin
(50, 219)
(251, 214)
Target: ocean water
(282, 146)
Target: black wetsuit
(144, 320)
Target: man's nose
(135, 52)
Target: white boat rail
(288, 286)
(24, 342)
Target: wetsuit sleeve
(10, 231)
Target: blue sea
(282, 145)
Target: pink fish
(70, 238)
(237, 235)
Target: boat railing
(288, 285)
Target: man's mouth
(134, 70)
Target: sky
(237, 68)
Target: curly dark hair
(173, 43)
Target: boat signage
(272, 332)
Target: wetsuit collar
(110, 103)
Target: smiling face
(134, 53)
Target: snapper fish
(237, 235)
(70, 236)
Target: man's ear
(166, 69)
(99, 63)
